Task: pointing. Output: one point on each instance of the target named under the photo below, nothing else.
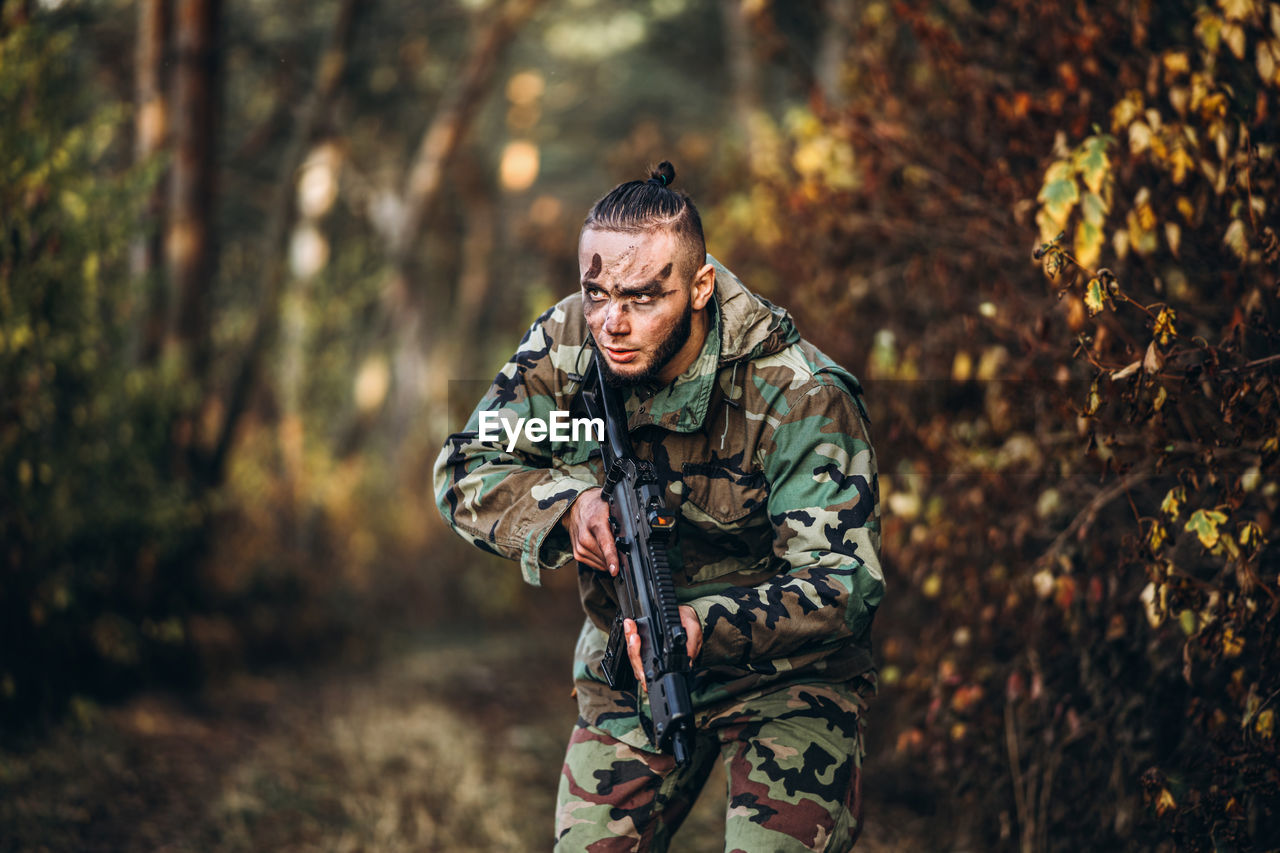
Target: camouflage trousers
(793, 759)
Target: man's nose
(615, 319)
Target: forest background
(258, 258)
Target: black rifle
(642, 588)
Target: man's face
(639, 304)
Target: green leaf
(1096, 297)
(1205, 523)
(1187, 620)
(1059, 197)
(1093, 163)
(1089, 239)
(1094, 209)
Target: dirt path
(448, 745)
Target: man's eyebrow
(652, 288)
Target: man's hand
(588, 524)
(693, 634)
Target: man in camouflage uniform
(761, 443)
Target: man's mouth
(621, 356)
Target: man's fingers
(692, 630)
(633, 651)
(605, 543)
(587, 550)
(589, 560)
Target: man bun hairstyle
(637, 206)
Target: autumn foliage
(1054, 251)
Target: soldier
(762, 446)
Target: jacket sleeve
(824, 507)
(510, 501)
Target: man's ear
(704, 285)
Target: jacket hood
(750, 326)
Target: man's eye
(642, 298)
(595, 294)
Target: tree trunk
(311, 117)
(424, 183)
(151, 128)
(744, 81)
(840, 17)
(189, 244)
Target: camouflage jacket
(763, 448)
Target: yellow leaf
(1049, 227)
(1204, 523)
(1235, 239)
(1161, 396)
(1186, 208)
(1173, 236)
(1094, 401)
(1126, 110)
(1141, 221)
(1157, 537)
(1165, 802)
(1251, 535)
(1265, 725)
(1089, 239)
(1175, 63)
(1179, 163)
(1173, 501)
(1236, 10)
(1232, 645)
(1267, 63)
(1164, 330)
(1233, 35)
(1139, 137)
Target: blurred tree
(93, 516)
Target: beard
(667, 349)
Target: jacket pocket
(726, 529)
(720, 496)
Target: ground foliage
(1079, 461)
